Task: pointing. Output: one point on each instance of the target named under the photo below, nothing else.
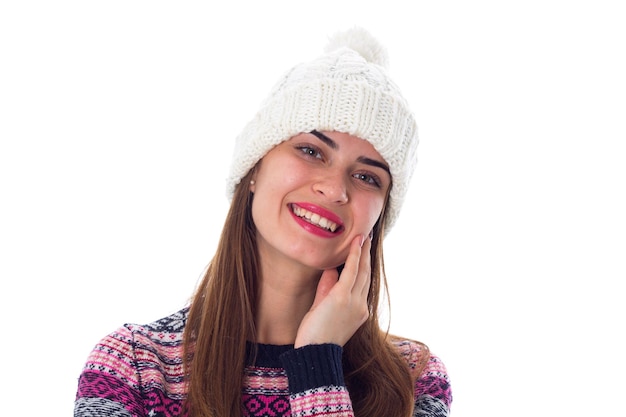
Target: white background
(117, 120)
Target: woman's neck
(286, 293)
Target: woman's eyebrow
(328, 141)
(373, 162)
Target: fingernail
(362, 240)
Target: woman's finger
(364, 274)
(348, 276)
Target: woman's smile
(326, 223)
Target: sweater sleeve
(109, 383)
(433, 395)
(316, 383)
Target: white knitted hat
(345, 90)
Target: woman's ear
(252, 185)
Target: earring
(252, 182)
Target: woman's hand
(340, 305)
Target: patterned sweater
(137, 371)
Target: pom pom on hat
(347, 90)
(362, 42)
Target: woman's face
(313, 194)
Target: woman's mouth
(315, 218)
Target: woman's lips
(315, 218)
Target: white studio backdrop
(117, 121)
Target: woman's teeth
(314, 218)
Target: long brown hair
(221, 320)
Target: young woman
(285, 321)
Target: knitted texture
(347, 90)
(137, 371)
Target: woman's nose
(333, 188)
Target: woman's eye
(367, 178)
(310, 151)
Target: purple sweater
(137, 371)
